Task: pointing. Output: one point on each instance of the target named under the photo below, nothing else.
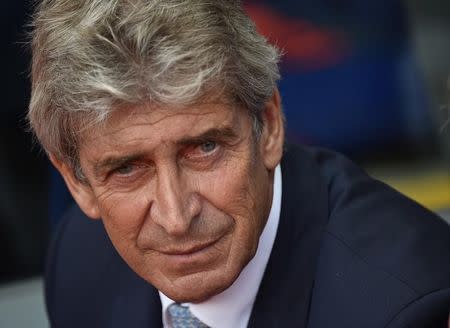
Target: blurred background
(367, 78)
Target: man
(164, 119)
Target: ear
(81, 191)
(272, 137)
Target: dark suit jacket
(349, 252)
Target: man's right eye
(125, 169)
(129, 174)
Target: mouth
(189, 250)
(194, 258)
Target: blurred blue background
(351, 79)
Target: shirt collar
(238, 299)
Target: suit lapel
(135, 302)
(284, 295)
(137, 306)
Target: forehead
(155, 125)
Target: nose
(175, 205)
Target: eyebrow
(225, 134)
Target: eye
(125, 169)
(208, 146)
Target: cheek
(239, 191)
(123, 214)
(227, 188)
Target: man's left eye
(208, 146)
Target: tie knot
(182, 317)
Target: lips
(188, 260)
(189, 250)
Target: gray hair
(90, 56)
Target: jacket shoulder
(381, 252)
(81, 266)
(87, 284)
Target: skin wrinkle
(218, 98)
(166, 116)
(225, 133)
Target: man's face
(184, 193)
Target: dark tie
(182, 317)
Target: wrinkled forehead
(162, 120)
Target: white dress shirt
(232, 307)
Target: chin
(198, 297)
(198, 288)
